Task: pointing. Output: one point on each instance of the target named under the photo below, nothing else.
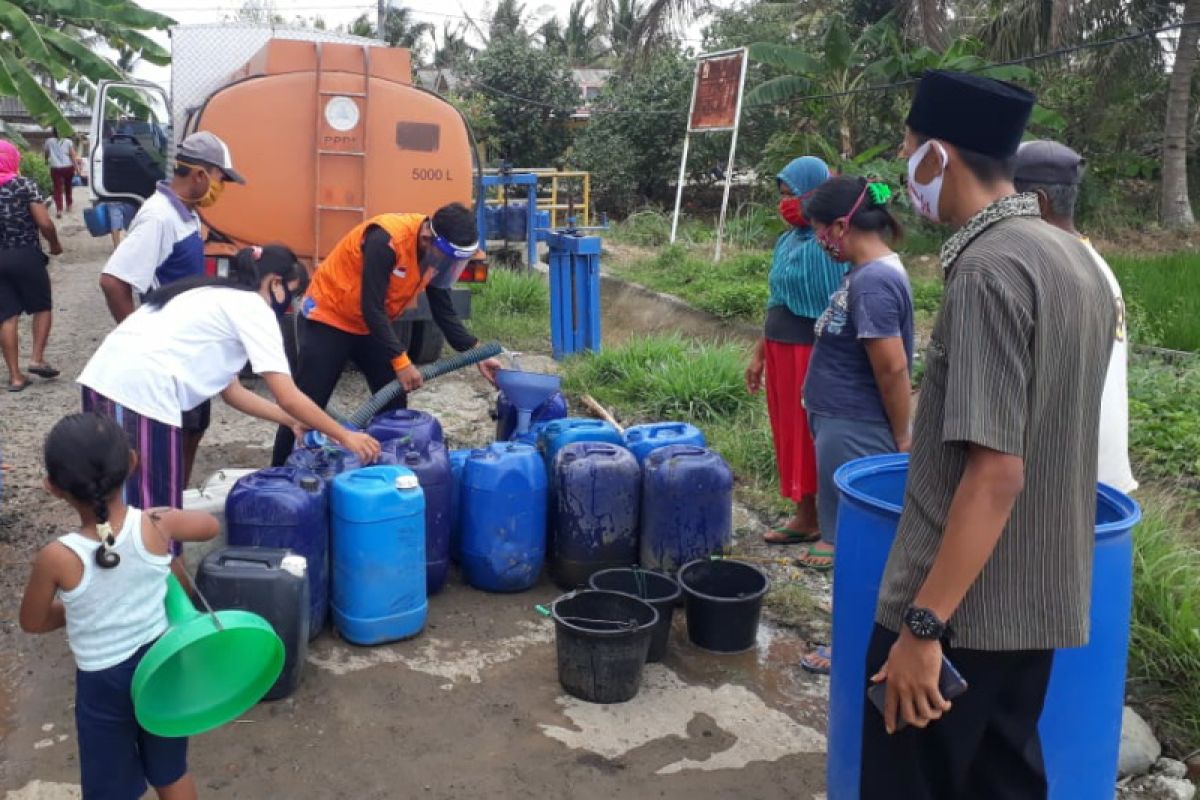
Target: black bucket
(657, 589)
(724, 600)
(602, 640)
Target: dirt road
(470, 708)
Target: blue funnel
(526, 391)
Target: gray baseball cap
(206, 149)
(1044, 161)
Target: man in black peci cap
(991, 565)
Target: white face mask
(926, 196)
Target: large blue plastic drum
(1081, 723)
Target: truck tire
(426, 342)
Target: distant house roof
(437, 79)
(13, 110)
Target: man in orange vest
(372, 275)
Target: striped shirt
(1016, 363)
(803, 276)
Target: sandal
(817, 557)
(818, 661)
(789, 536)
(43, 370)
(18, 387)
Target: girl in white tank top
(105, 584)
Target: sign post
(716, 106)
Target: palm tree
(506, 21)
(1176, 208)
(399, 29)
(454, 50)
(54, 35)
(581, 40)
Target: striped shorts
(157, 481)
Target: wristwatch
(924, 624)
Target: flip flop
(814, 551)
(791, 537)
(43, 371)
(812, 660)
(18, 387)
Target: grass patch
(1164, 420)
(791, 603)
(1164, 645)
(1162, 298)
(734, 289)
(513, 307)
(672, 378)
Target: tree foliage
(48, 55)
(529, 94)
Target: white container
(209, 497)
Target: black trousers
(322, 354)
(985, 748)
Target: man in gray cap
(164, 245)
(990, 569)
(1053, 172)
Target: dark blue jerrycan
(554, 407)
(687, 506)
(642, 440)
(431, 465)
(287, 508)
(378, 556)
(504, 517)
(597, 503)
(419, 426)
(327, 461)
(458, 460)
(557, 434)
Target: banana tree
(843, 67)
(51, 34)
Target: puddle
(452, 661)
(665, 707)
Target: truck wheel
(426, 343)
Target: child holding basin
(105, 584)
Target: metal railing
(549, 189)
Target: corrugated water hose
(387, 394)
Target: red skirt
(787, 366)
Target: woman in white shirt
(187, 343)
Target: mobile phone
(950, 683)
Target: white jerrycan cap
(295, 565)
(408, 482)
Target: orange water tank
(326, 136)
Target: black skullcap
(1044, 161)
(970, 111)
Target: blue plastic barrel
(326, 461)
(285, 508)
(431, 465)
(420, 426)
(504, 517)
(642, 440)
(1081, 720)
(596, 511)
(458, 460)
(378, 558)
(687, 507)
(1081, 723)
(554, 407)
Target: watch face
(923, 623)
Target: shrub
(34, 166)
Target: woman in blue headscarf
(801, 281)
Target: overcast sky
(343, 12)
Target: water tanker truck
(328, 130)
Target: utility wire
(1056, 53)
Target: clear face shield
(446, 259)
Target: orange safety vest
(335, 295)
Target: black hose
(387, 394)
